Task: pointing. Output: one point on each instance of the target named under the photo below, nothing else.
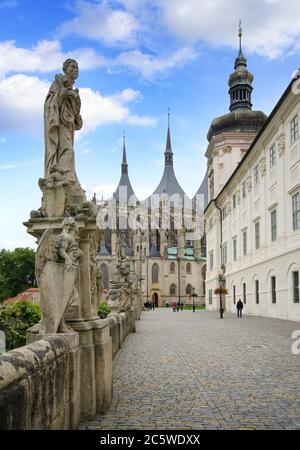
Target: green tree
(15, 319)
(16, 271)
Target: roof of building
(124, 190)
(23, 296)
(168, 183)
(172, 253)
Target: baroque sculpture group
(67, 272)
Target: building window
(295, 281)
(294, 129)
(273, 289)
(104, 276)
(273, 225)
(155, 273)
(172, 267)
(257, 292)
(188, 289)
(244, 243)
(234, 201)
(211, 260)
(256, 175)
(244, 293)
(234, 248)
(234, 295)
(173, 289)
(188, 268)
(244, 189)
(210, 296)
(296, 211)
(210, 223)
(272, 153)
(224, 254)
(257, 236)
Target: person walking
(239, 308)
(174, 306)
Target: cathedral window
(172, 267)
(173, 289)
(155, 273)
(188, 289)
(188, 268)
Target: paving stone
(194, 371)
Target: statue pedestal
(95, 366)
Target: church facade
(169, 263)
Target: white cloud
(100, 110)
(149, 66)
(22, 99)
(47, 56)
(44, 57)
(103, 23)
(271, 26)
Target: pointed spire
(168, 151)
(240, 60)
(124, 159)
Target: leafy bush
(103, 310)
(15, 319)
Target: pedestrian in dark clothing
(239, 308)
(178, 305)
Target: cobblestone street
(189, 370)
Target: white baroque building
(253, 217)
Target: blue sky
(136, 59)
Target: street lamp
(221, 289)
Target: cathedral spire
(168, 151)
(124, 159)
(124, 186)
(240, 81)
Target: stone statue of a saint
(60, 186)
(61, 119)
(57, 261)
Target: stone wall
(36, 386)
(120, 326)
(57, 381)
